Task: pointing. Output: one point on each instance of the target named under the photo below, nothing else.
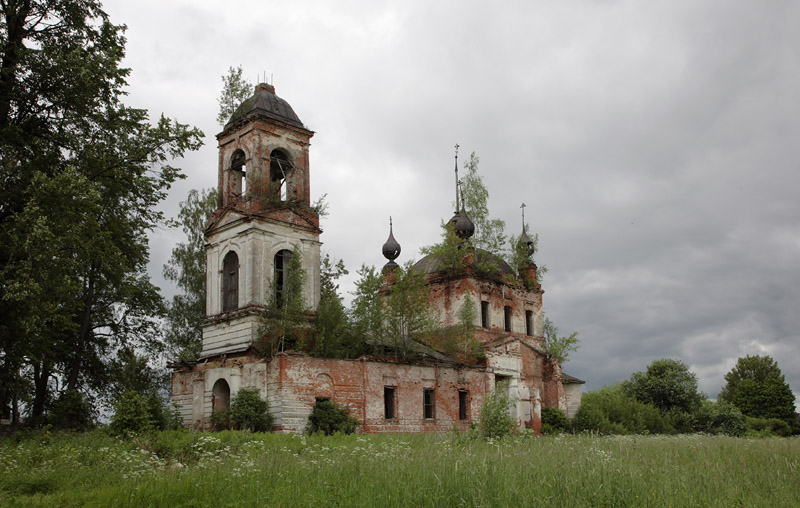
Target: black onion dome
(264, 102)
(430, 264)
(526, 240)
(464, 227)
(391, 249)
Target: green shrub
(768, 427)
(250, 412)
(611, 410)
(719, 418)
(71, 411)
(220, 420)
(328, 417)
(554, 421)
(495, 420)
(131, 414)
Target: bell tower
(263, 218)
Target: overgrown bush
(131, 414)
(135, 413)
(495, 420)
(71, 411)
(328, 417)
(768, 427)
(554, 421)
(611, 410)
(250, 412)
(719, 418)
(220, 420)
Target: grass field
(188, 469)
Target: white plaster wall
(222, 337)
(572, 393)
(256, 244)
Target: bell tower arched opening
(238, 174)
(279, 168)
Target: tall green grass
(188, 469)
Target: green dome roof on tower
(264, 102)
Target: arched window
(279, 167)
(238, 174)
(220, 396)
(230, 282)
(282, 260)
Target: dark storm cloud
(654, 144)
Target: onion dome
(463, 226)
(264, 102)
(391, 249)
(524, 239)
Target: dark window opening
(389, 402)
(529, 322)
(485, 314)
(321, 399)
(230, 282)
(220, 396)
(279, 166)
(239, 173)
(429, 403)
(463, 404)
(507, 317)
(282, 259)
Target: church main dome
(264, 102)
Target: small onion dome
(463, 226)
(391, 249)
(526, 240)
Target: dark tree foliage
(328, 417)
(758, 388)
(333, 335)
(395, 317)
(285, 321)
(668, 385)
(81, 177)
(250, 412)
(183, 333)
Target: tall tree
(81, 177)
(667, 384)
(333, 335)
(285, 322)
(394, 316)
(187, 268)
(559, 347)
(489, 233)
(758, 388)
(235, 90)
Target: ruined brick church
(263, 217)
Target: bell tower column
(264, 215)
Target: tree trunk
(41, 375)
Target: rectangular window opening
(507, 317)
(485, 314)
(429, 403)
(390, 402)
(529, 322)
(463, 404)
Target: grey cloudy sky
(656, 145)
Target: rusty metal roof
(264, 102)
(430, 264)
